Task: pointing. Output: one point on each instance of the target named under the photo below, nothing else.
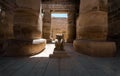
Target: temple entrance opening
(59, 24)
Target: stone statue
(59, 42)
(59, 51)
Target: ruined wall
(59, 26)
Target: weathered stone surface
(114, 20)
(92, 29)
(95, 48)
(26, 22)
(6, 21)
(27, 28)
(59, 42)
(92, 26)
(92, 22)
(59, 26)
(59, 51)
(61, 6)
(23, 47)
(93, 5)
(6, 24)
(71, 26)
(33, 4)
(47, 25)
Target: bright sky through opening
(63, 15)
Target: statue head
(59, 36)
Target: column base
(16, 47)
(95, 48)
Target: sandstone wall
(114, 20)
(33, 4)
(6, 22)
(47, 24)
(71, 26)
(60, 6)
(27, 30)
(92, 29)
(59, 26)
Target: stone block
(59, 54)
(95, 48)
(24, 47)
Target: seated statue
(59, 42)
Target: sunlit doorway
(59, 24)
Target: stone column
(92, 29)
(27, 29)
(47, 25)
(26, 20)
(113, 19)
(114, 22)
(6, 25)
(71, 26)
(6, 21)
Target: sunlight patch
(48, 50)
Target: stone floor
(75, 65)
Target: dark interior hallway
(92, 42)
